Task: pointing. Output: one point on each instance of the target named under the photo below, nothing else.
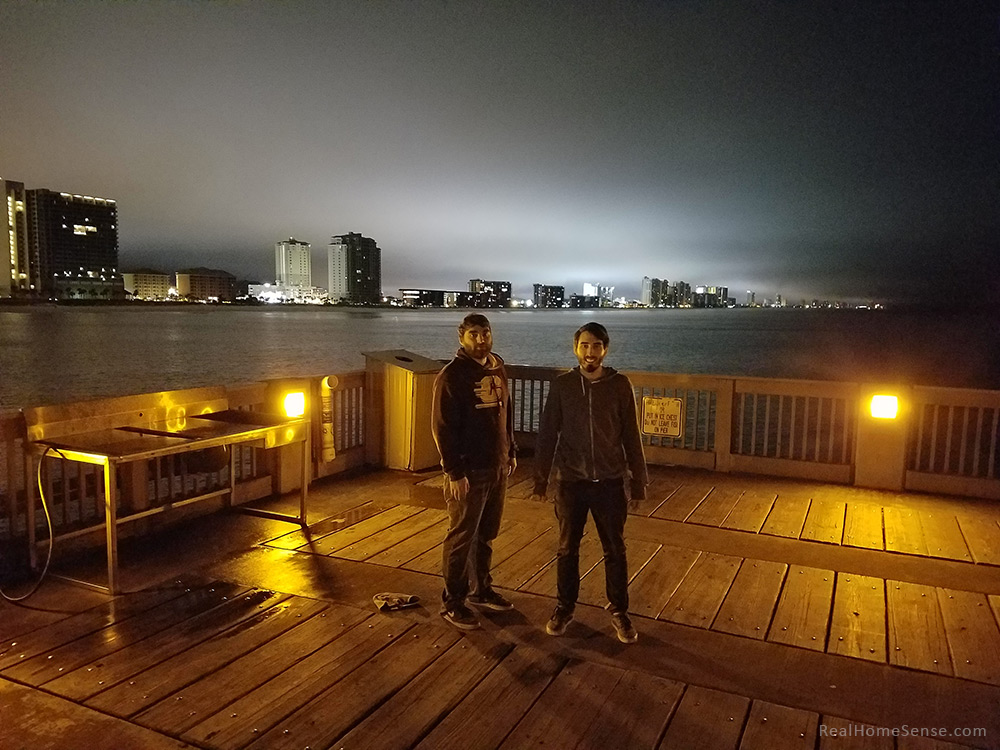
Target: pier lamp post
(295, 404)
(884, 406)
(880, 445)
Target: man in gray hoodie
(473, 427)
(590, 434)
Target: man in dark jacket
(590, 432)
(473, 427)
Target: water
(57, 354)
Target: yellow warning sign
(662, 416)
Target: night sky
(809, 149)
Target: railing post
(880, 445)
(374, 412)
(725, 403)
(293, 466)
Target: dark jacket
(589, 430)
(472, 421)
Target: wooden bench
(126, 432)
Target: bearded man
(589, 434)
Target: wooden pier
(772, 613)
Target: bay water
(55, 354)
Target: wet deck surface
(771, 613)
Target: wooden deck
(772, 614)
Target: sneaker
(623, 627)
(461, 617)
(559, 621)
(490, 600)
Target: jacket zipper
(590, 415)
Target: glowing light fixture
(295, 404)
(884, 407)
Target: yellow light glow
(884, 407)
(176, 418)
(295, 404)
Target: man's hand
(538, 498)
(511, 465)
(459, 489)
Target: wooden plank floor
(871, 520)
(741, 644)
(303, 673)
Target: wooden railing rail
(756, 425)
(802, 428)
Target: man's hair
(594, 329)
(473, 319)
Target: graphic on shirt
(490, 391)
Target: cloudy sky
(809, 149)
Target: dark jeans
(474, 524)
(606, 502)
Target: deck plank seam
(564, 663)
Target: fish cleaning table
(153, 431)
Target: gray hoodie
(589, 430)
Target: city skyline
(809, 150)
(60, 248)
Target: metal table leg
(111, 515)
(306, 472)
(29, 482)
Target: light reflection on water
(57, 354)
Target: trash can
(401, 385)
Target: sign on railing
(662, 416)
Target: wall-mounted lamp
(295, 403)
(884, 407)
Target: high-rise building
(490, 293)
(75, 238)
(655, 292)
(678, 295)
(293, 263)
(603, 292)
(711, 296)
(59, 245)
(355, 269)
(16, 278)
(549, 296)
